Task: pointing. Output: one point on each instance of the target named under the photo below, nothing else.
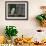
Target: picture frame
(16, 10)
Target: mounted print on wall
(16, 10)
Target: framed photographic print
(16, 10)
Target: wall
(25, 27)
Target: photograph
(16, 10)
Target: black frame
(15, 19)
